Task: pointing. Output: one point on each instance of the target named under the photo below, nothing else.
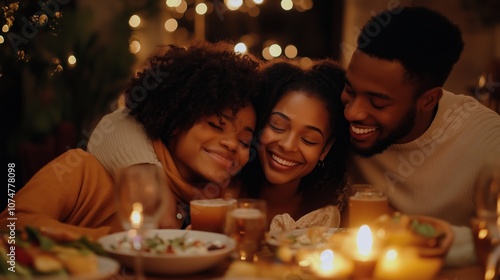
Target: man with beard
(422, 144)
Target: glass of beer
(210, 214)
(247, 225)
(486, 238)
(366, 204)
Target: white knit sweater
(434, 174)
(119, 141)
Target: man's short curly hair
(178, 86)
(425, 42)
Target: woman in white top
(302, 145)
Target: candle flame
(364, 240)
(482, 234)
(391, 254)
(327, 257)
(136, 215)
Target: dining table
(268, 268)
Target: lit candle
(405, 263)
(365, 257)
(136, 216)
(327, 264)
(364, 241)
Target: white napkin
(462, 250)
(328, 216)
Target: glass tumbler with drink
(366, 204)
(210, 214)
(247, 225)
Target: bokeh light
(287, 5)
(291, 51)
(258, 2)
(201, 9)
(71, 60)
(233, 5)
(134, 46)
(275, 50)
(134, 21)
(303, 5)
(182, 8)
(5, 28)
(173, 3)
(250, 3)
(266, 54)
(1, 39)
(240, 48)
(306, 62)
(171, 25)
(254, 12)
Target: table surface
(267, 270)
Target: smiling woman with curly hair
(302, 148)
(189, 110)
(186, 84)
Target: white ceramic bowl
(172, 263)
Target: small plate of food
(302, 238)
(171, 251)
(42, 255)
(431, 236)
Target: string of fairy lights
(190, 10)
(195, 10)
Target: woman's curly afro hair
(178, 86)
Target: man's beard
(381, 145)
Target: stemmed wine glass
(140, 199)
(486, 226)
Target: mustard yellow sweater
(74, 192)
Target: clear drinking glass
(247, 225)
(140, 200)
(486, 224)
(487, 188)
(210, 214)
(366, 203)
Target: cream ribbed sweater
(434, 174)
(119, 141)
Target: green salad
(182, 245)
(31, 252)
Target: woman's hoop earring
(321, 164)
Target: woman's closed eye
(245, 144)
(309, 141)
(216, 126)
(277, 125)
